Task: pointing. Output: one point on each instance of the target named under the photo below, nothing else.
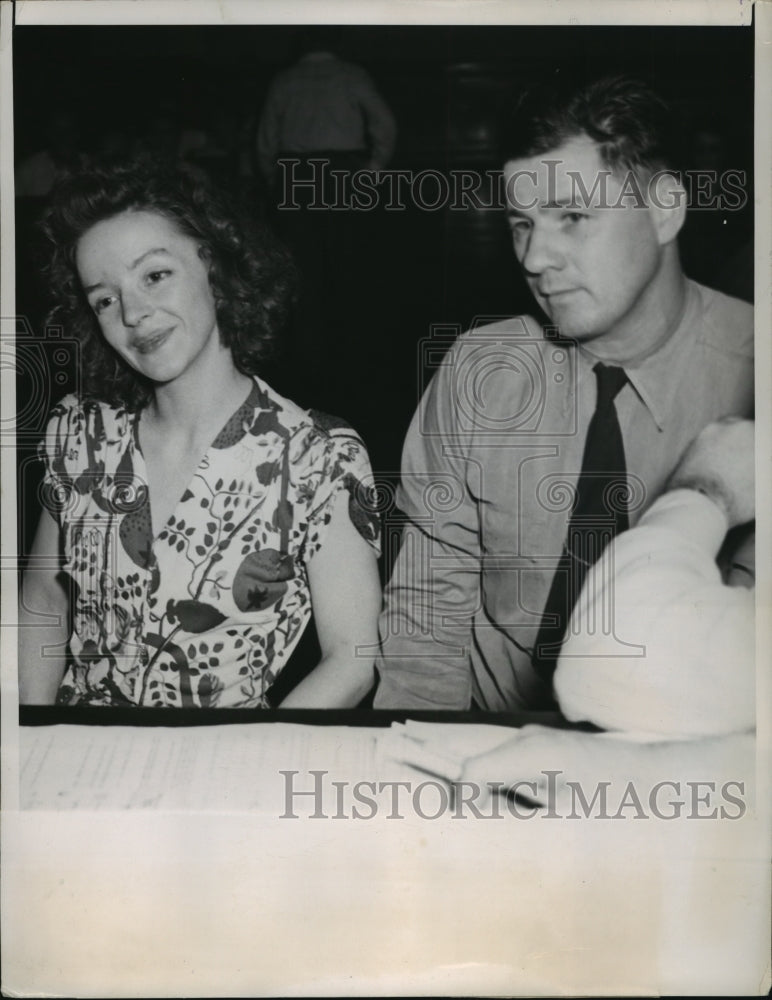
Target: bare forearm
(42, 645)
(718, 758)
(339, 681)
(41, 663)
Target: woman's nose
(135, 307)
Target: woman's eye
(101, 304)
(154, 277)
(519, 227)
(574, 217)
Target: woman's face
(149, 288)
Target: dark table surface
(48, 715)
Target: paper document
(234, 767)
(440, 748)
(227, 767)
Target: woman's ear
(667, 204)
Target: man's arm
(425, 626)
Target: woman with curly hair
(199, 517)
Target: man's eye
(574, 217)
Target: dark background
(417, 269)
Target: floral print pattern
(208, 612)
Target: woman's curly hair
(252, 278)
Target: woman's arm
(346, 600)
(43, 619)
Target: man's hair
(252, 278)
(631, 124)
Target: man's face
(586, 242)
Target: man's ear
(667, 204)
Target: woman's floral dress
(208, 612)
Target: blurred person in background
(323, 120)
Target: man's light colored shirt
(489, 466)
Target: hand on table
(551, 767)
(538, 761)
(720, 463)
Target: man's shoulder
(503, 340)
(523, 325)
(498, 368)
(505, 330)
(726, 323)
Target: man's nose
(541, 251)
(135, 307)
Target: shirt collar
(652, 377)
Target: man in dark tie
(688, 706)
(542, 437)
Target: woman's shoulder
(331, 426)
(295, 421)
(73, 410)
(80, 433)
(74, 405)
(289, 413)
(325, 456)
(78, 416)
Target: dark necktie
(599, 513)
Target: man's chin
(574, 329)
(569, 322)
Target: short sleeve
(61, 451)
(345, 466)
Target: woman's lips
(152, 342)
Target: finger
(518, 761)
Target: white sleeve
(657, 643)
